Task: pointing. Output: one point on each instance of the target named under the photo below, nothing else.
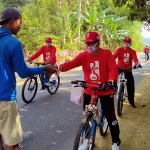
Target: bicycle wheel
(120, 100)
(84, 133)
(54, 84)
(146, 58)
(29, 89)
(103, 126)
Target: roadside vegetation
(67, 21)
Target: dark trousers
(146, 53)
(130, 85)
(107, 103)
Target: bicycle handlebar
(84, 84)
(42, 63)
(125, 69)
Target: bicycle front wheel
(120, 100)
(146, 58)
(54, 83)
(84, 138)
(29, 89)
(103, 126)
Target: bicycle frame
(94, 117)
(122, 80)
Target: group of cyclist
(97, 59)
(99, 66)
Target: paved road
(50, 121)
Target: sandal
(21, 147)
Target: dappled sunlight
(69, 75)
(65, 89)
(27, 133)
(146, 73)
(58, 131)
(22, 109)
(138, 94)
(20, 83)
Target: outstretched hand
(49, 69)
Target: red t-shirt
(146, 49)
(96, 68)
(125, 57)
(49, 54)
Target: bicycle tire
(80, 136)
(104, 126)
(54, 83)
(120, 100)
(31, 85)
(146, 58)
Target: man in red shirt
(98, 65)
(146, 51)
(49, 56)
(125, 57)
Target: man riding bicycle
(125, 56)
(146, 51)
(98, 65)
(49, 57)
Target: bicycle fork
(124, 93)
(92, 134)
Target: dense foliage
(67, 21)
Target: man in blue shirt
(11, 60)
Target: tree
(139, 10)
(15, 3)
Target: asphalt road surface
(50, 122)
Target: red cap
(91, 36)
(48, 39)
(127, 39)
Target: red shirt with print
(96, 68)
(125, 57)
(49, 54)
(146, 49)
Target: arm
(76, 62)
(37, 54)
(135, 59)
(22, 69)
(53, 56)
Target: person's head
(11, 19)
(127, 42)
(92, 41)
(48, 41)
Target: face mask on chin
(92, 49)
(127, 45)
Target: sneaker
(47, 84)
(132, 104)
(84, 145)
(21, 147)
(42, 88)
(115, 146)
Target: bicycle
(30, 85)
(91, 120)
(146, 57)
(121, 90)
